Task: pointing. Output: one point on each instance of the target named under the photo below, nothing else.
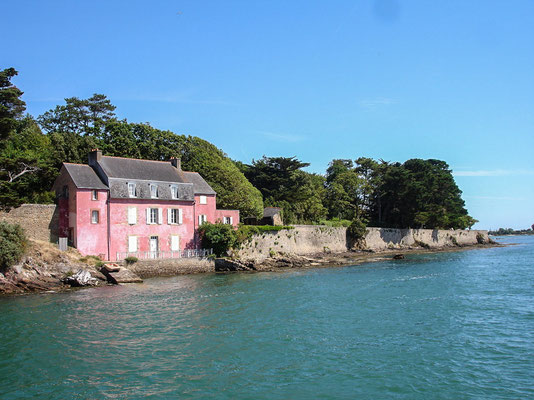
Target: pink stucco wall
(207, 209)
(120, 229)
(220, 214)
(90, 238)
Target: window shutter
(160, 216)
(231, 221)
(132, 215)
(169, 216)
(180, 220)
(148, 216)
(199, 220)
(132, 244)
(175, 243)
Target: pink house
(118, 207)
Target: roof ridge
(137, 159)
(71, 163)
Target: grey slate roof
(119, 190)
(271, 211)
(200, 185)
(117, 172)
(129, 168)
(84, 177)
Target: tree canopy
(417, 193)
(12, 107)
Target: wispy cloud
(373, 103)
(282, 137)
(494, 172)
(177, 99)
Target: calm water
(442, 326)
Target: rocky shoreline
(283, 262)
(46, 269)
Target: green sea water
(435, 326)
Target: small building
(116, 207)
(271, 216)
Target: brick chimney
(176, 163)
(95, 155)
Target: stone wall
(170, 267)
(310, 239)
(39, 221)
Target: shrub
(335, 222)
(480, 238)
(357, 229)
(13, 243)
(131, 260)
(219, 237)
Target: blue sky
(388, 79)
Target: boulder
(398, 257)
(81, 278)
(120, 275)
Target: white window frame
(153, 191)
(93, 213)
(174, 216)
(202, 218)
(132, 189)
(94, 194)
(174, 192)
(132, 215)
(227, 220)
(203, 199)
(154, 216)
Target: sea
(454, 325)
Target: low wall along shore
(311, 239)
(40, 221)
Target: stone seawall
(170, 267)
(39, 221)
(311, 239)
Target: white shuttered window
(174, 216)
(132, 215)
(175, 243)
(132, 244)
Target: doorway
(154, 247)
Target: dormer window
(174, 191)
(132, 191)
(154, 191)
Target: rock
(81, 278)
(99, 275)
(227, 265)
(110, 268)
(398, 257)
(122, 275)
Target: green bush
(131, 260)
(336, 222)
(13, 243)
(357, 229)
(222, 237)
(219, 237)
